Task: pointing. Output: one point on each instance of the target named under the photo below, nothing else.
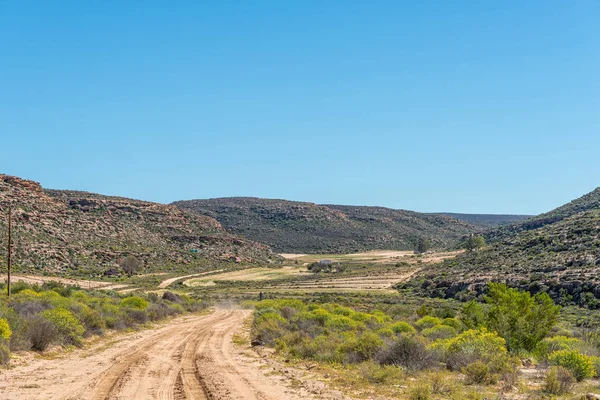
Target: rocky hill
(590, 201)
(299, 227)
(76, 232)
(558, 252)
(488, 221)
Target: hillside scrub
(481, 345)
(37, 317)
(334, 334)
(560, 258)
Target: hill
(300, 227)
(558, 252)
(590, 201)
(76, 232)
(487, 221)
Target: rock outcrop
(60, 231)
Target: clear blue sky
(466, 106)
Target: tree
(422, 246)
(130, 265)
(474, 242)
(521, 319)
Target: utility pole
(9, 250)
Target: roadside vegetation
(40, 317)
(437, 353)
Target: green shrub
(441, 383)
(91, 319)
(421, 391)
(5, 332)
(556, 343)
(478, 373)
(342, 323)
(266, 331)
(379, 374)
(427, 322)
(581, 366)
(323, 348)
(65, 324)
(596, 361)
(473, 315)
(4, 353)
(439, 332)
(361, 348)
(521, 319)
(453, 322)
(470, 346)
(402, 327)
(559, 381)
(134, 302)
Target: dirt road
(169, 281)
(190, 358)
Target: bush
(136, 316)
(420, 392)
(343, 323)
(471, 346)
(559, 381)
(361, 348)
(65, 324)
(581, 366)
(556, 343)
(378, 374)
(19, 340)
(427, 322)
(41, 333)
(521, 319)
(441, 383)
(91, 319)
(478, 373)
(596, 361)
(4, 353)
(135, 302)
(473, 315)
(453, 322)
(170, 296)
(265, 331)
(409, 353)
(402, 327)
(439, 332)
(5, 332)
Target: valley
(115, 298)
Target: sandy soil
(381, 282)
(374, 256)
(190, 358)
(169, 281)
(291, 256)
(251, 274)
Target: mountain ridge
(292, 226)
